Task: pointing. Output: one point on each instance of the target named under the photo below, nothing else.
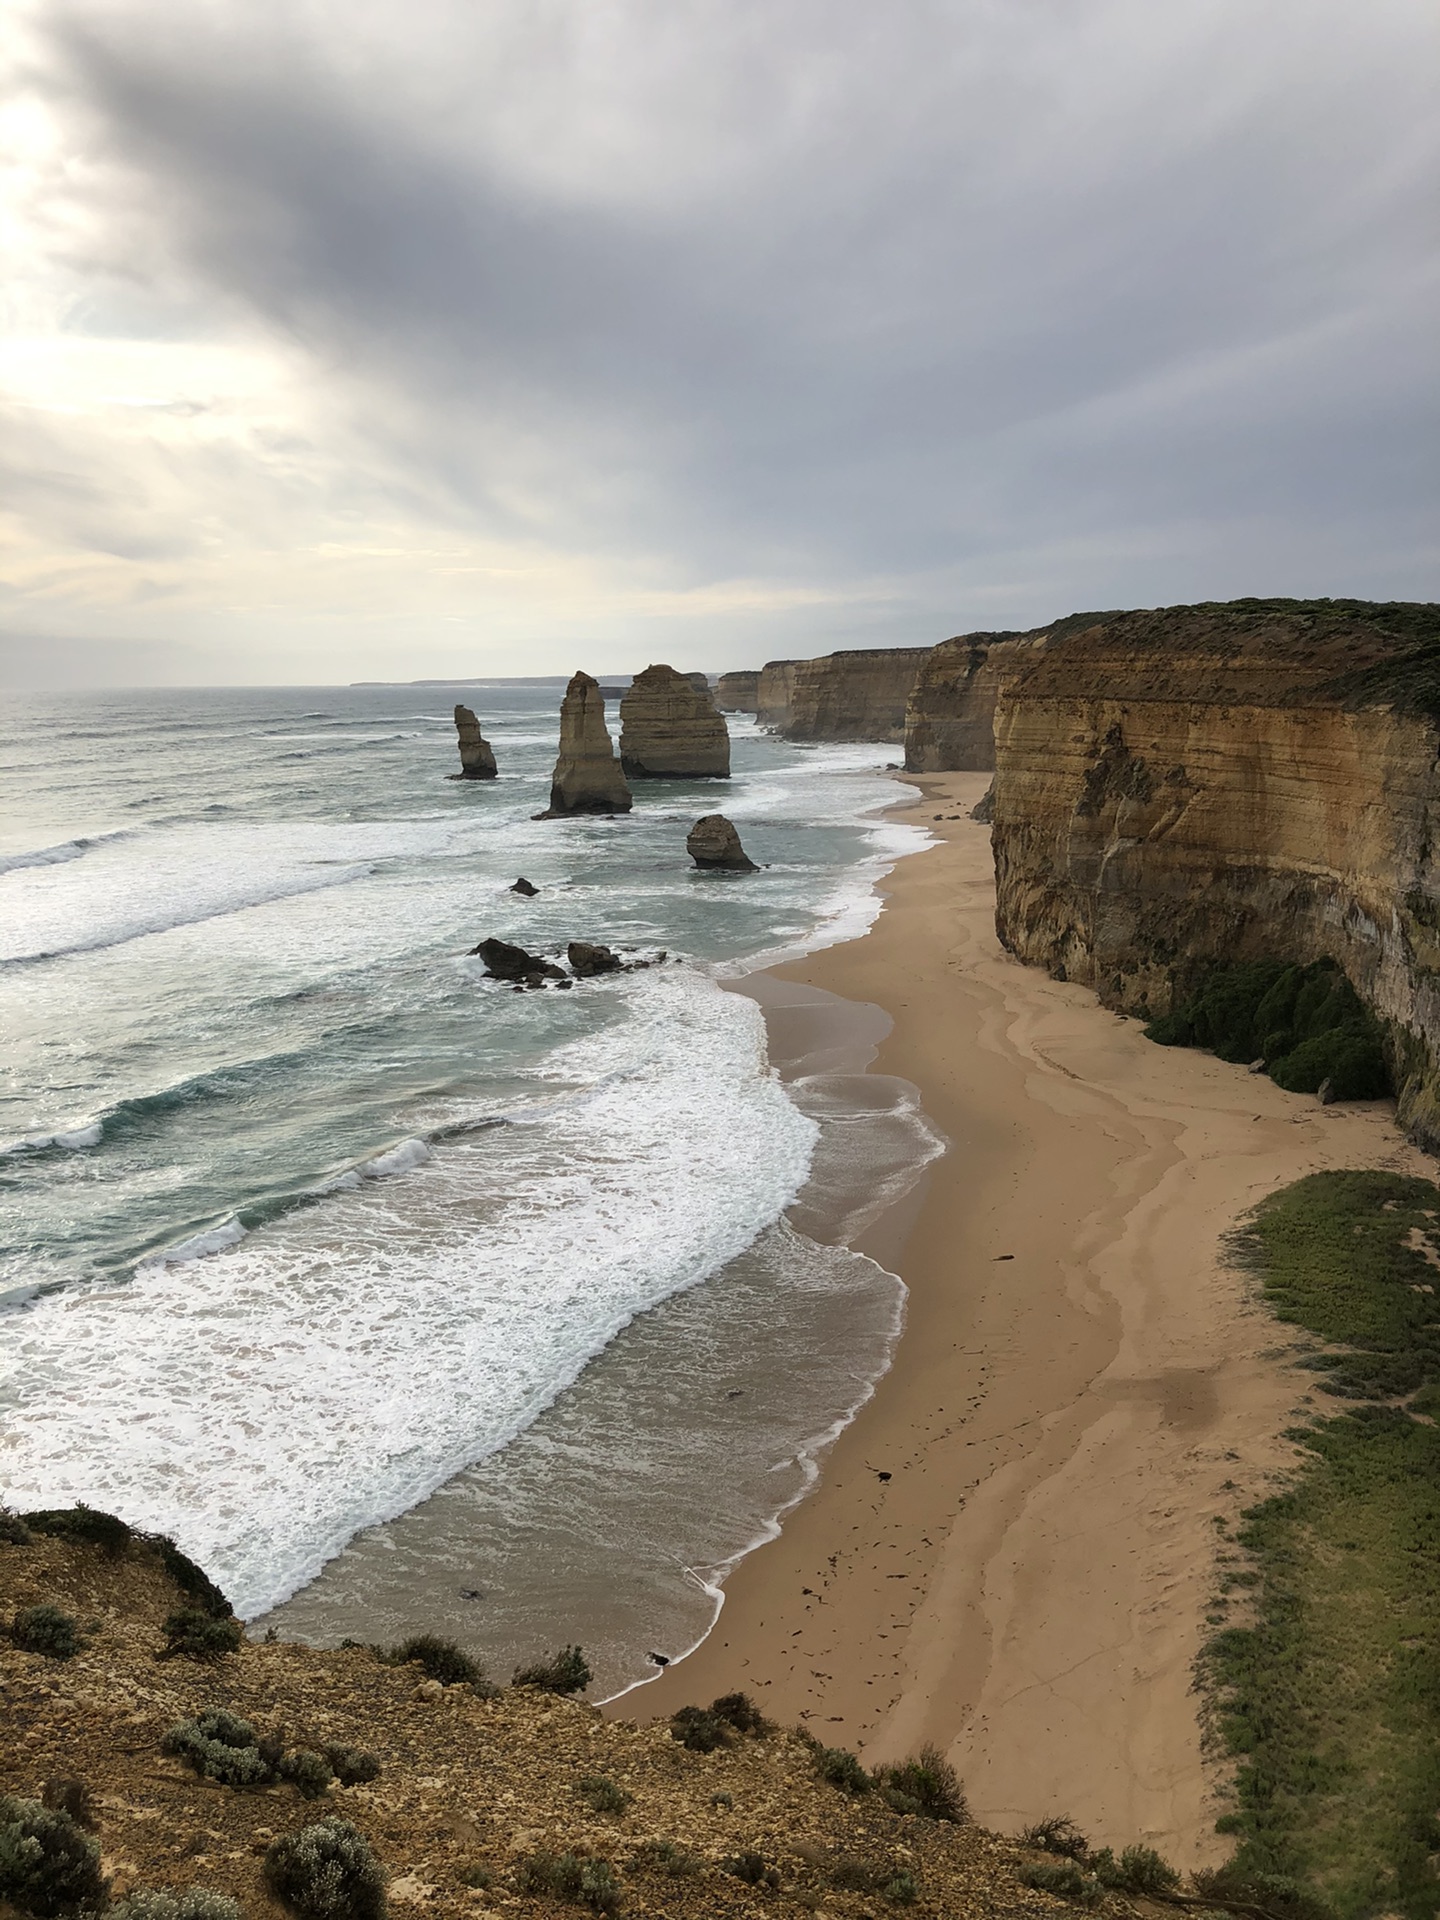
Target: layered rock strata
(587, 777)
(950, 715)
(738, 692)
(857, 695)
(477, 759)
(670, 729)
(713, 842)
(1187, 787)
(773, 686)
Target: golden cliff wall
(1191, 786)
(855, 695)
(772, 693)
(950, 715)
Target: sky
(383, 341)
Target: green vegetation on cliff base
(1306, 1023)
(1331, 1698)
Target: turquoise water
(304, 1218)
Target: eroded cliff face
(738, 692)
(774, 685)
(856, 695)
(670, 729)
(950, 715)
(1187, 787)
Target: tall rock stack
(670, 729)
(587, 777)
(477, 758)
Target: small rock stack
(713, 843)
(477, 758)
(587, 777)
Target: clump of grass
(48, 1864)
(327, 1872)
(901, 1889)
(1067, 1880)
(926, 1785)
(1058, 1835)
(439, 1659)
(309, 1773)
(1273, 1894)
(193, 1634)
(193, 1903)
(752, 1869)
(739, 1711)
(699, 1730)
(72, 1797)
(352, 1766)
(1138, 1870)
(570, 1876)
(666, 1857)
(601, 1793)
(13, 1530)
(566, 1672)
(841, 1769)
(45, 1629)
(221, 1746)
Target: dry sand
(1082, 1389)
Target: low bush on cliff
(48, 1865)
(1306, 1023)
(45, 1629)
(572, 1877)
(564, 1673)
(439, 1660)
(101, 1530)
(1330, 1699)
(327, 1872)
(191, 1903)
(13, 1530)
(842, 1770)
(221, 1746)
(926, 1785)
(192, 1634)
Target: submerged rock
(477, 759)
(713, 842)
(585, 960)
(670, 728)
(587, 777)
(504, 962)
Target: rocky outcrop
(504, 962)
(1188, 787)
(670, 729)
(587, 777)
(950, 715)
(587, 960)
(858, 695)
(738, 692)
(774, 685)
(713, 842)
(525, 887)
(477, 760)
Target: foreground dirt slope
(466, 1783)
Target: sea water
(390, 1293)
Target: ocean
(404, 1301)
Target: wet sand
(1011, 1550)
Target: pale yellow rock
(670, 729)
(587, 777)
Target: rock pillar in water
(477, 760)
(670, 728)
(713, 842)
(587, 777)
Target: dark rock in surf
(504, 962)
(586, 961)
(714, 844)
(522, 885)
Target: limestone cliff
(670, 729)
(950, 715)
(1190, 786)
(855, 695)
(587, 777)
(477, 759)
(738, 692)
(772, 693)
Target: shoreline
(1081, 1390)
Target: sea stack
(670, 728)
(477, 760)
(713, 843)
(587, 777)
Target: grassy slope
(1332, 1697)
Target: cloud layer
(391, 339)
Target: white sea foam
(70, 1140)
(347, 1359)
(198, 1247)
(58, 856)
(403, 1157)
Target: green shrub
(699, 1730)
(192, 1903)
(72, 1797)
(927, 1784)
(751, 1868)
(567, 1876)
(309, 1773)
(476, 1875)
(193, 1581)
(13, 1530)
(602, 1794)
(666, 1857)
(1066, 1880)
(1058, 1835)
(101, 1530)
(440, 1659)
(1273, 1893)
(327, 1872)
(45, 1629)
(565, 1672)
(902, 1889)
(842, 1770)
(220, 1746)
(47, 1864)
(739, 1711)
(1138, 1870)
(192, 1634)
(352, 1766)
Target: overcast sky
(384, 338)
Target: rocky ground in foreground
(469, 1789)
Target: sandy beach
(1011, 1550)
